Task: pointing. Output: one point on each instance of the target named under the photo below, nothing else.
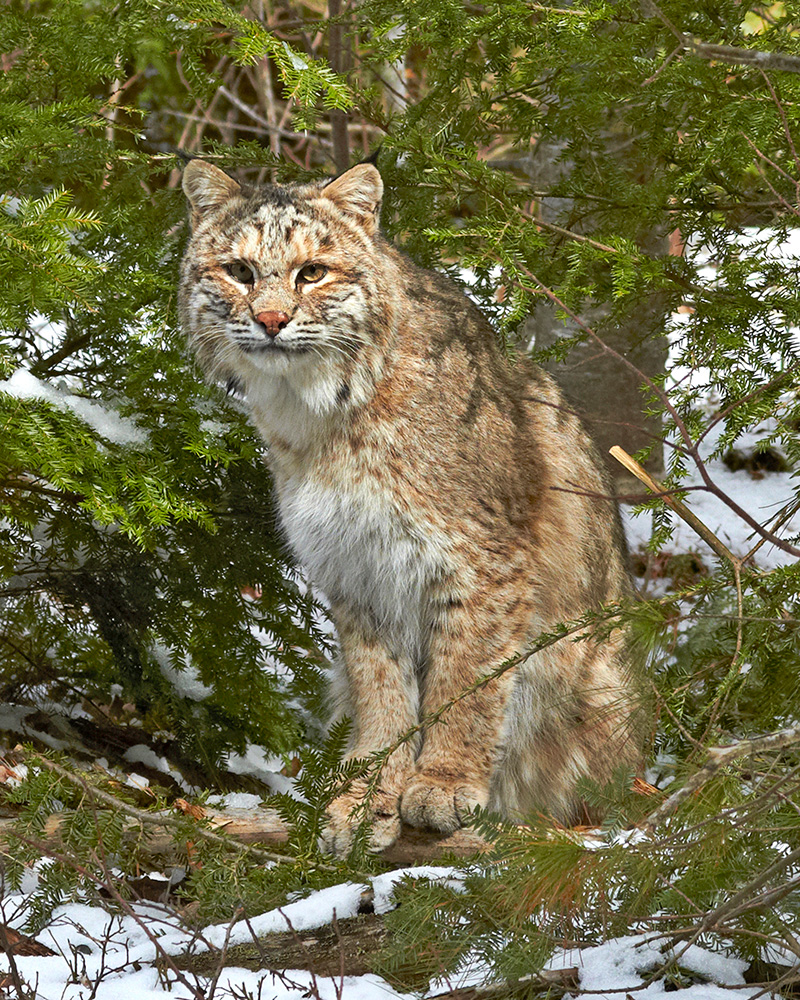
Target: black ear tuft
(373, 157)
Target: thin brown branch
(30, 485)
(743, 901)
(775, 166)
(44, 365)
(675, 504)
(551, 227)
(757, 58)
(145, 818)
(723, 413)
(786, 130)
(719, 757)
(106, 884)
(663, 66)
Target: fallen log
(257, 829)
(348, 947)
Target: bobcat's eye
(240, 271)
(310, 273)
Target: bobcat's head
(281, 281)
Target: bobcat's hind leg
(573, 714)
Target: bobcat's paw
(344, 816)
(441, 803)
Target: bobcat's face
(281, 281)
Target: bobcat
(423, 480)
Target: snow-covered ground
(115, 957)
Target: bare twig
(718, 758)
(786, 130)
(728, 53)
(674, 503)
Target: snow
(140, 753)
(266, 769)
(120, 951)
(235, 800)
(106, 422)
(185, 680)
(12, 719)
(137, 781)
(621, 964)
(317, 910)
(383, 885)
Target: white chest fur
(365, 552)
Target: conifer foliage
(136, 514)
(135, 508)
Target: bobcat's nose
(273, 322)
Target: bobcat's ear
(207, 187)
(358, 191)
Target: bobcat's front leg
(383, 699)
(459, 752)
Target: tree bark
(264, 826)
(605, 392)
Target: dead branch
(674, 503)
(244, 828)
(761, 60)
(718, 758)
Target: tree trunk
(605, 391)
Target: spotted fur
(424, 482)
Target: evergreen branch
(786, 130)
(728, 53)
(337, 57)
(691, 447)
(743, 901)
(158, 819)
(735, 816)
(719, 757)
(30, 485)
